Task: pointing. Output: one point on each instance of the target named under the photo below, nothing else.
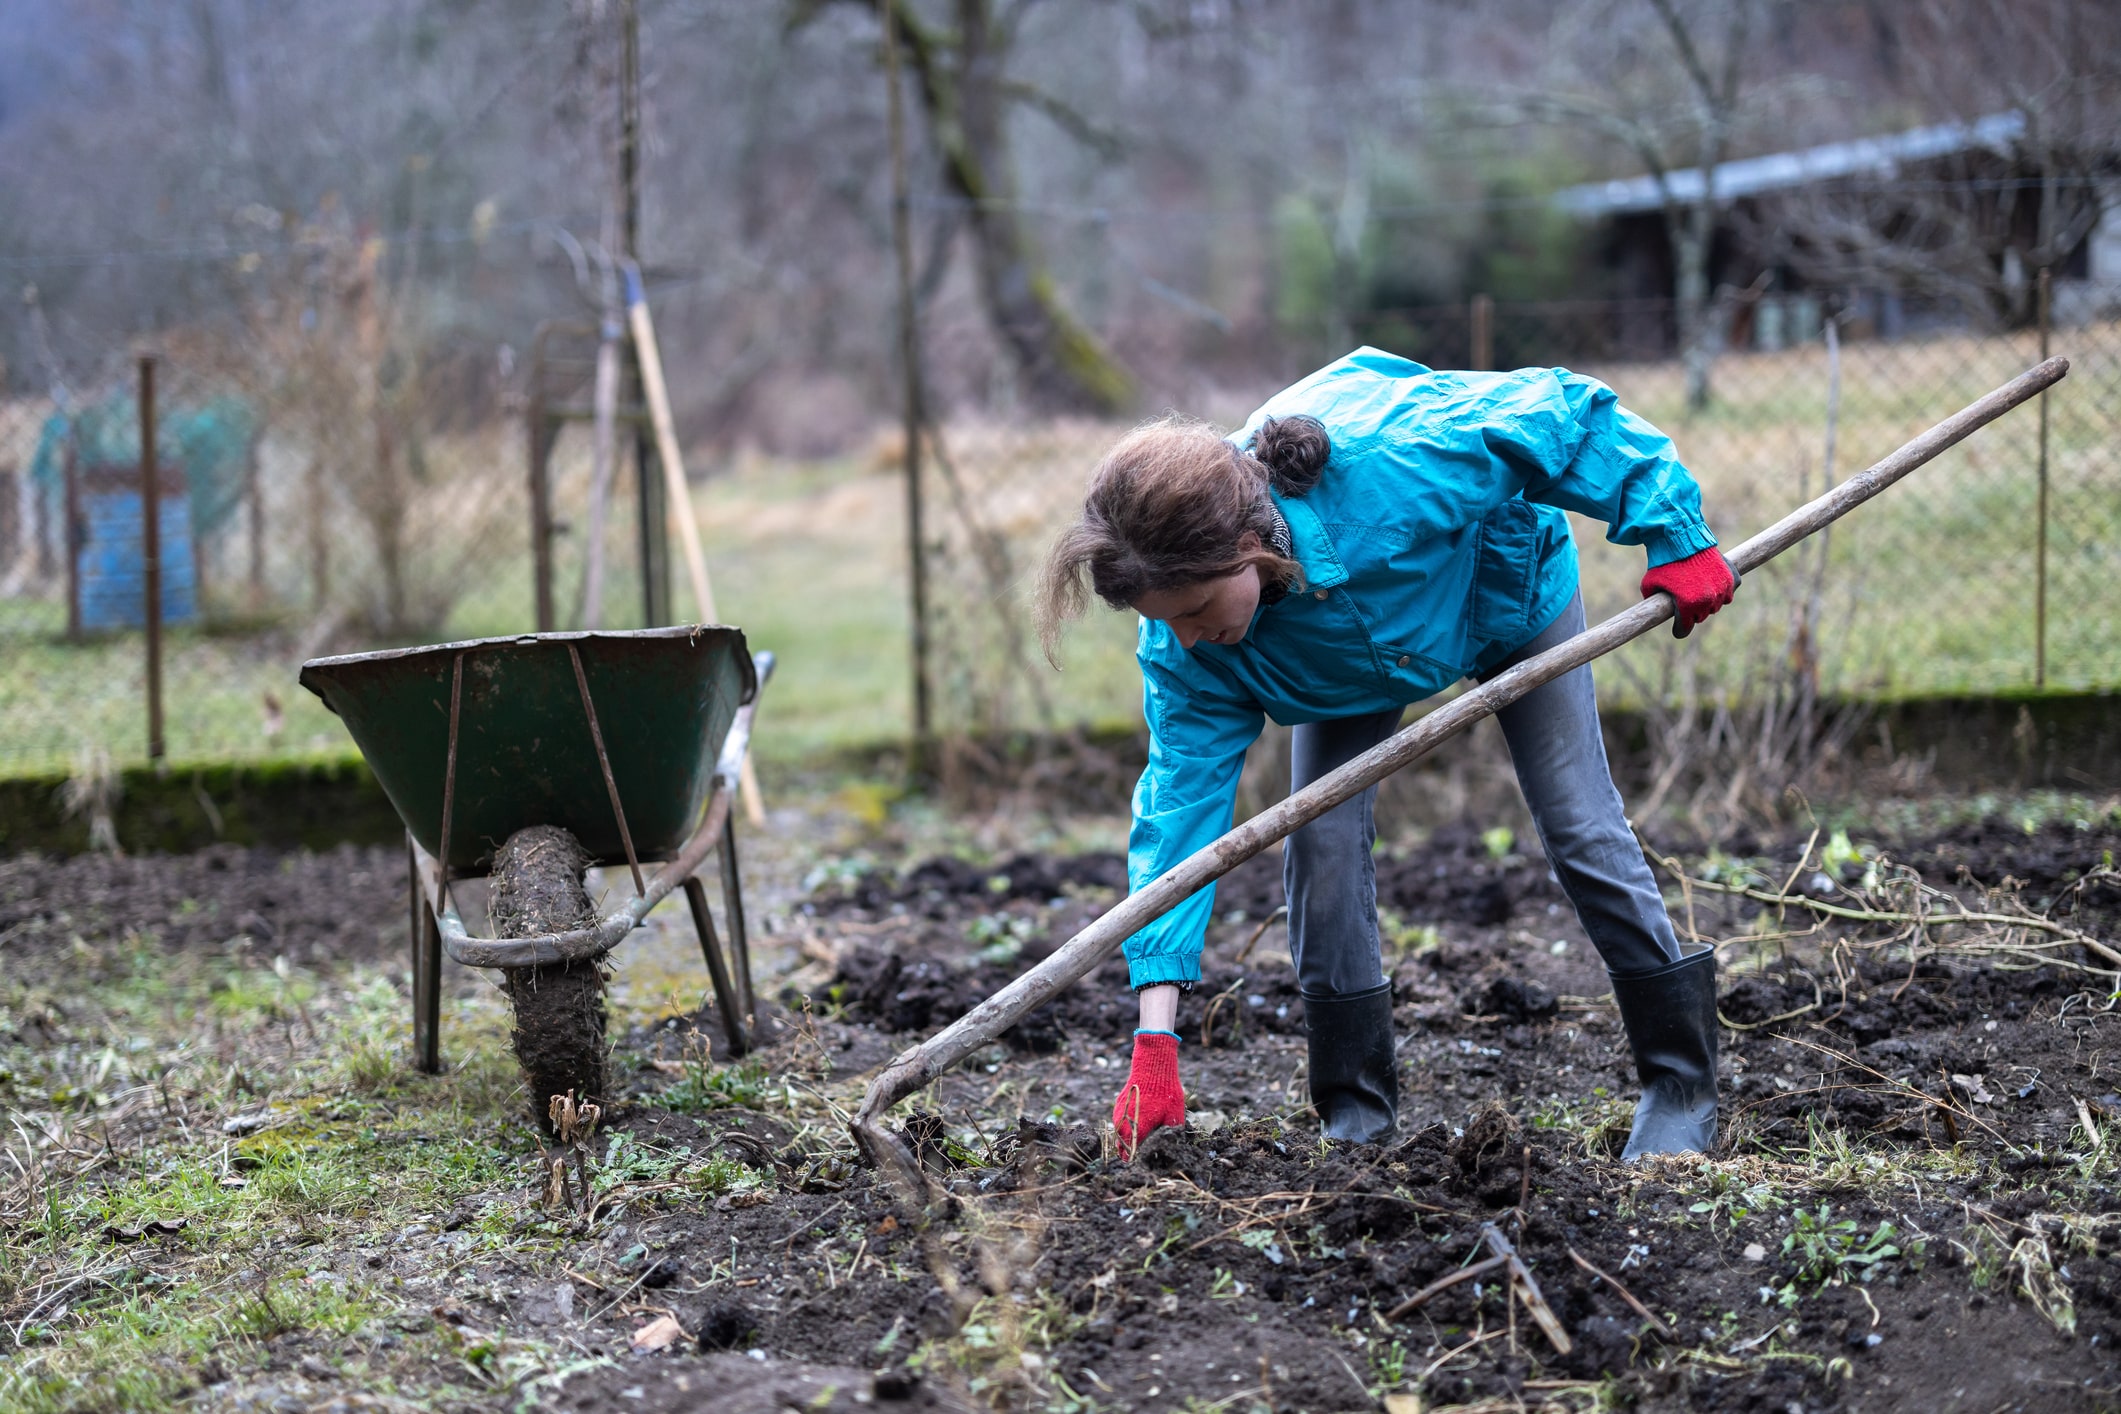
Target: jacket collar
(1313, 549)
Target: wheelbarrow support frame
(438, 928)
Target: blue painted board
(113, 568)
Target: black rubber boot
(1670, 1016)
(1354, 1081)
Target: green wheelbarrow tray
(619, 738)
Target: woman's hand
(1152, 1098)
(1699, 585)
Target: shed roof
(1778, 171)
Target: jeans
(1560, 758)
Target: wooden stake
(151, 555)
(920, 1064)
(666, 442)
(657, 395)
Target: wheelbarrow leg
(426, 972)
(725, 997)
(733, 911)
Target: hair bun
(1294, 450)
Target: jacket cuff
(1677, 541)
(1159, 969)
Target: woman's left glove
(1151, 1099)
(1700, 584)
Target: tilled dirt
(1905, 1210)
(343, 905)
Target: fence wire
(327, 487)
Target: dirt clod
(559, 1010)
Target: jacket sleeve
(1197, 741)
(1586, 453)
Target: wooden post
(650, 361)
(540, 433)
(914, 413)
(2040, 545)
(653, 541)
(70, 538)
(151, 555)
(1482, 319)
(254, 498)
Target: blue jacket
(1434, 545)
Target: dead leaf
(238, 1126)
(659, 1333)
(1976, 1088)
(888, 1225)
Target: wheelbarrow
(630, 742)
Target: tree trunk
(1697, 331)
(1063, 364)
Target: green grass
(147, 1060)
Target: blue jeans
(1561, 767)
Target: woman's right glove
(1700, 584)
(1151, 1099)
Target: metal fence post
(151, 554)
(2040, 551)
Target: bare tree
(1673, 93)
(961, 72)
(2035, 89)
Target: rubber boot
(1354, 1081)
(1670, 1016)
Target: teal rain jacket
(1433, 546)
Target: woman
(1373, 534)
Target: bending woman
(1373, 534)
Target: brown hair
(1168, 507)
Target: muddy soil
(558, 1032)
(344, 905)
(1905, 1210)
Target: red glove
(1151, 1099)
(1700, 584)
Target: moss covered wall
(310, 803)
(2065, 741)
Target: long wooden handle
(657, 393)
(922, 1063)
(666, 442)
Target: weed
(1390, 1363)
(1407, 939)
(1000, 937)
(1830, 1253)
(705, 1086)
(1727, 1195)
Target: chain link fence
(330, 484)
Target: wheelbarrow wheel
(559, 1009)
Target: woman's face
(1214, 611)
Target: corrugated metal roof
(1872, 156)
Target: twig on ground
(1526, 1289)
(1259, 932)
(1641, 1310)
(1442, 1284)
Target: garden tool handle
(920, 1064)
